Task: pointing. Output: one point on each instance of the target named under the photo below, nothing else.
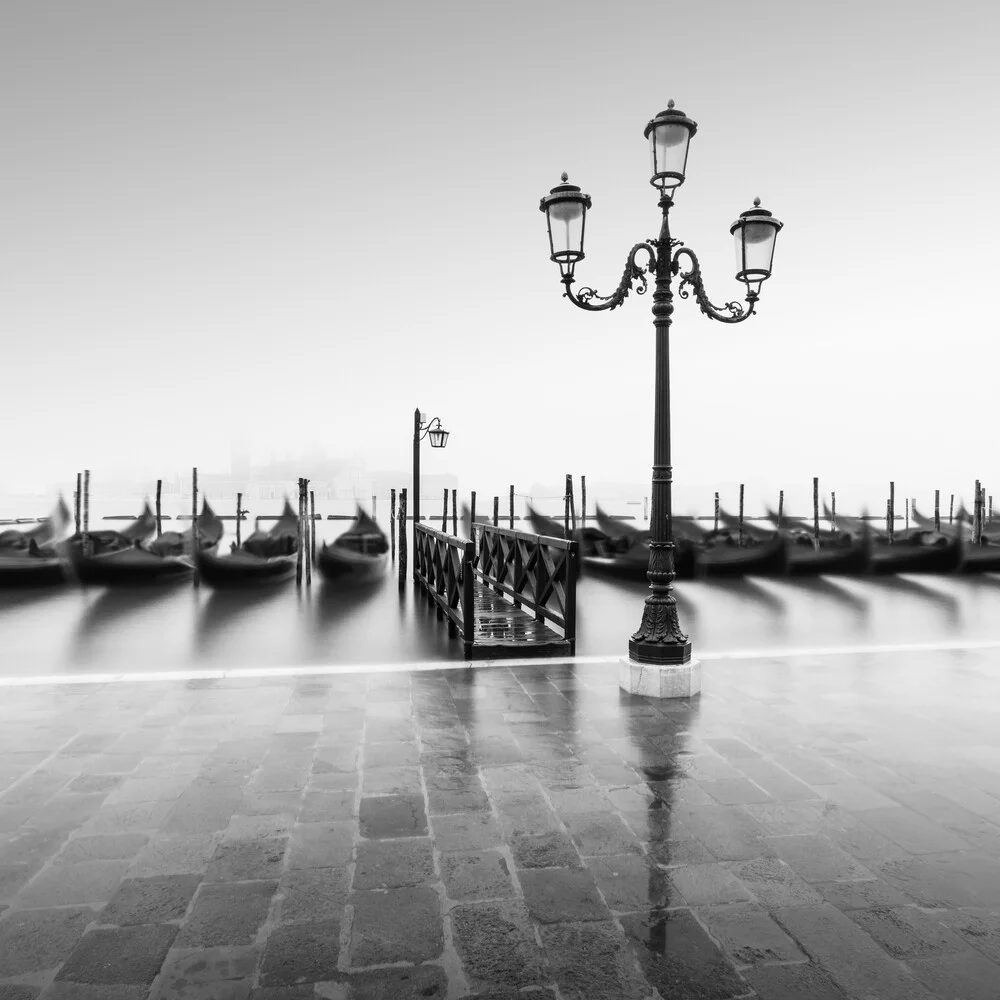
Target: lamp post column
(416, 484)
(659, 638)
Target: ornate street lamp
(438, 437)
(659, 642)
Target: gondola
(984, 558)
(625, 553)
(590, 539)
(160, 560)
(49, 530)
(838, 553)
(360, 554)
(767, 558)
(266, 557)
(31, 558)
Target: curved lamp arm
(633, 272)
(433, 424)
(692, 277)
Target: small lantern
(669, 134)
(565, 208)
(438, 437)
(756, 231)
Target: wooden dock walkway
(508, 593)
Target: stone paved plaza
(809, 827)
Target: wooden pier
(506, 593)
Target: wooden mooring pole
(195, 578)
(716, 511)
(977, 515)
(85, 540)
(937, 510)
(454, 512)
(392, 523)
(892, 512)
(816, 510)
(583, 501)
(159, 509)
(472, 516)
(77, 500)
(402, 538)
(512, 507)
(374, 506)
(566, 509)
(951, 509)
(740, 535)
(298, 554)
(645, 508)
(239, 517)
(312, 528)
(781, 506)
(496, 512)
(907, 515)
(444, 513)
(833, 511)
(572, 503)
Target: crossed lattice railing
(444, 566)
(537, 572)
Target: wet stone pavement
(807, 828)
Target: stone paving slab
(815, 827)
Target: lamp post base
(660, 680)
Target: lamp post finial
(756, 203)
(564, 177)
(670, 103)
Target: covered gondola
(360, 554)
(160, 560)
(266, 557)
(31, 558)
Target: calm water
(177, 626)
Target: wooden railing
(443, 565)
(536, 571)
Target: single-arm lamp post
(659, 662)
(438, 436)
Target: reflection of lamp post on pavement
(438, 437)
(659, 662)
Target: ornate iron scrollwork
(634, 271)
(692, 277)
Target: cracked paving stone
(497, 946)
(590, 962)
(562, 895)
(401, 925)
(476, 875)
(119, 955)
(247, 860)
(178, 854)
(227, 913)
(394, 864)
(678, 957)
(748, 935)
(544, 850)
(155, 900)
(185, 969)
(393, 816)
(631, 882)
(301, 953)
(907, 932)
(33, 940)
(313, 895)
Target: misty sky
(293, 222)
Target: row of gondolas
(855, 547)
(50, 553)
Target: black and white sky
(291, 223)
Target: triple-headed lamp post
(659, 662)
(438, 436)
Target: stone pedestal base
(669, 680)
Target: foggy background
(278, 228)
